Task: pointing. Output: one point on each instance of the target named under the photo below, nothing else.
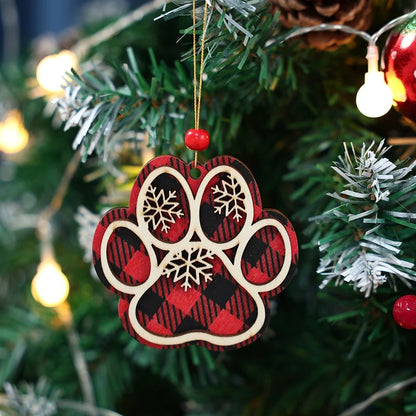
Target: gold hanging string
(198, 85)
(196, 159)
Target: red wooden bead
(404, 311)
(196, 139)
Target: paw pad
(195, 260)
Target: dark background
(38, 17)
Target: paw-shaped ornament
(195, 261)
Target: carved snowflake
(229, 197)
(190, 265)
(161, 209)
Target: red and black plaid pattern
(219, 306)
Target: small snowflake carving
(229, 197)
(190, 265)
(161, 209)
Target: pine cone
(304, 13)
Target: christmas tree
(278, 91)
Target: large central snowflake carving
(229, 197)
(190, 265)
(160, 209)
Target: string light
(51, 70)
(50, 287)
(374, 98)
(13, 135)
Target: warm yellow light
(374, 98)
(50, 286)
(397, 87)
(13, 135)
(52, 69)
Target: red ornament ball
(400, 69)
(404, 311)
(196, 139)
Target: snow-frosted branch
(365, 244)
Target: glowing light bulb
(374, 98)
(50, 286)
(52, 69)
(13, 135)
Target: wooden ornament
(195, 261)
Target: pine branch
(81, 368)
(364, 239)
(100, 109)
(87, 222)
(31, 400)
(41, 400)
(321, 140)
(162, 105)
(85, 408)
(228, 14)
(194, 366)
(359, 407)
(86, 44)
